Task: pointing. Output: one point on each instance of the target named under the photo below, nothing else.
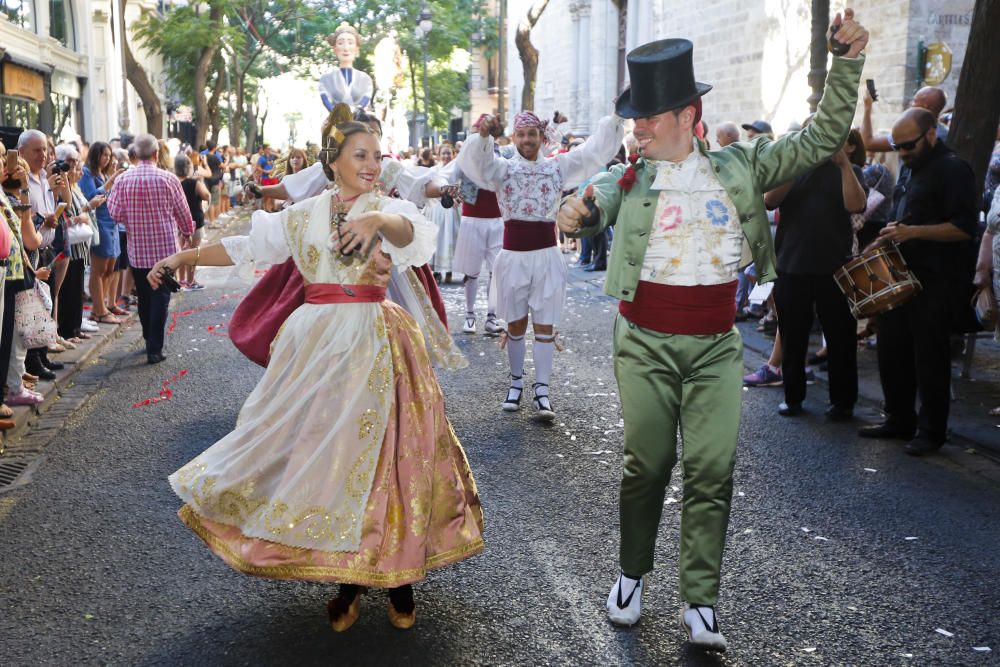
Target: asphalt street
(841, 552)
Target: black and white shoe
(625, 600)
(513, 401)
(543, 406)
(702, 627)
(469, 326)
(492, 327)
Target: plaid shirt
(150, 203)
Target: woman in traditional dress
(342, 466)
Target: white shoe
(702, 627)
(469, 326)
(492, 328)
(513, 401)
(89, 327)
(624, 606)
(543, 405)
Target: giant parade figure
(345, 84)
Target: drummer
(936, 222)
(814, 239)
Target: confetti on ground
(165, 394)
(741, 494)
(911, 538)
(806, 530)
(906, 655)
(560, 456)
(870, 470)
(941, 631)
(669, 501)
(748, 531)
(982, 649)
(572, 437)
(88, 617)
(820, 537)
(810, 649)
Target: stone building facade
(754, 52)
(61, 71)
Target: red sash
(323, 293)
(486, 206)
(527, 235)
(697, 310)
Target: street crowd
(691, 232)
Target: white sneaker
(624, 606)
(469, 326)
(492, 328)
(89, 327)
(702, 627)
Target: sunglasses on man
(907, 145)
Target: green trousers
(695, 383)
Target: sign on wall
(22, 82)
(937, 64)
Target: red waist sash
(337, 293)
(486, 206)
(526, 235)
(697, 310)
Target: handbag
(986, 307)
(256, 321)
(33, 322)
(76, 234)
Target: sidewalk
(87, 353)
(970, 424)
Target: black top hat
(661, 78)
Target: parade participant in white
(447, 221)
(530, 276)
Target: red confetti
(165, 394)
(185, 313)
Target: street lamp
(424, 26)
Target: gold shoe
(401, 620)
(342, 619)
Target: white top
(696, 238)
(531, 189)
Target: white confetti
(669, 501)
(806, 530)
(911, 538)
(853, 608)
(820, 537)
(572, 437)
(741, 494)
(870, 470)
(810, 649)
(941, 631)
(906, 655)
(982, 649)
(482, 354)
(748, 531)
(560, 456)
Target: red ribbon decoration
(165, 394)
(184, 313)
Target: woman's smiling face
(359, 163)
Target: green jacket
(746, 170)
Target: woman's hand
(155, 274)
(96, 202)
(983, 278)
(43, 273)
(358, 233)
(82, 219)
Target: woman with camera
(98, 178)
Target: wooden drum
(876, 282)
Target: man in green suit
(686, 221)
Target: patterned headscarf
(529, 119)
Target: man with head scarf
(529, 277)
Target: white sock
(515, 354)
(543, 351)
(491, 301)
(471, 288)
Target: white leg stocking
(471, 288)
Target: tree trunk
(529, 54)
(144, 89)
(213, 102)
(251, 120)
(237, 128)
(202, 70)
(977, 100)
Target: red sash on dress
(697, 310)
(486, 206)
(527, 235)
(325, 293)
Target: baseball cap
(760, 126)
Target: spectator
(935, 213)
(814, 239)
(988, 266)
(238, 169)
(196, 193)
(426, 158)
(19, 277)
(447, 221)
(214, 184)
(164, 159)
(727, 133)
(99, 176)
(758, 128)
(227, 178)
(265, 165)
(152, 206)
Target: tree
(528, 53)
(137, 76)
(187, 35)
(977, 100)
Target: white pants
(531, 282)
(479, 241)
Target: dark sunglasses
(907, 145)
